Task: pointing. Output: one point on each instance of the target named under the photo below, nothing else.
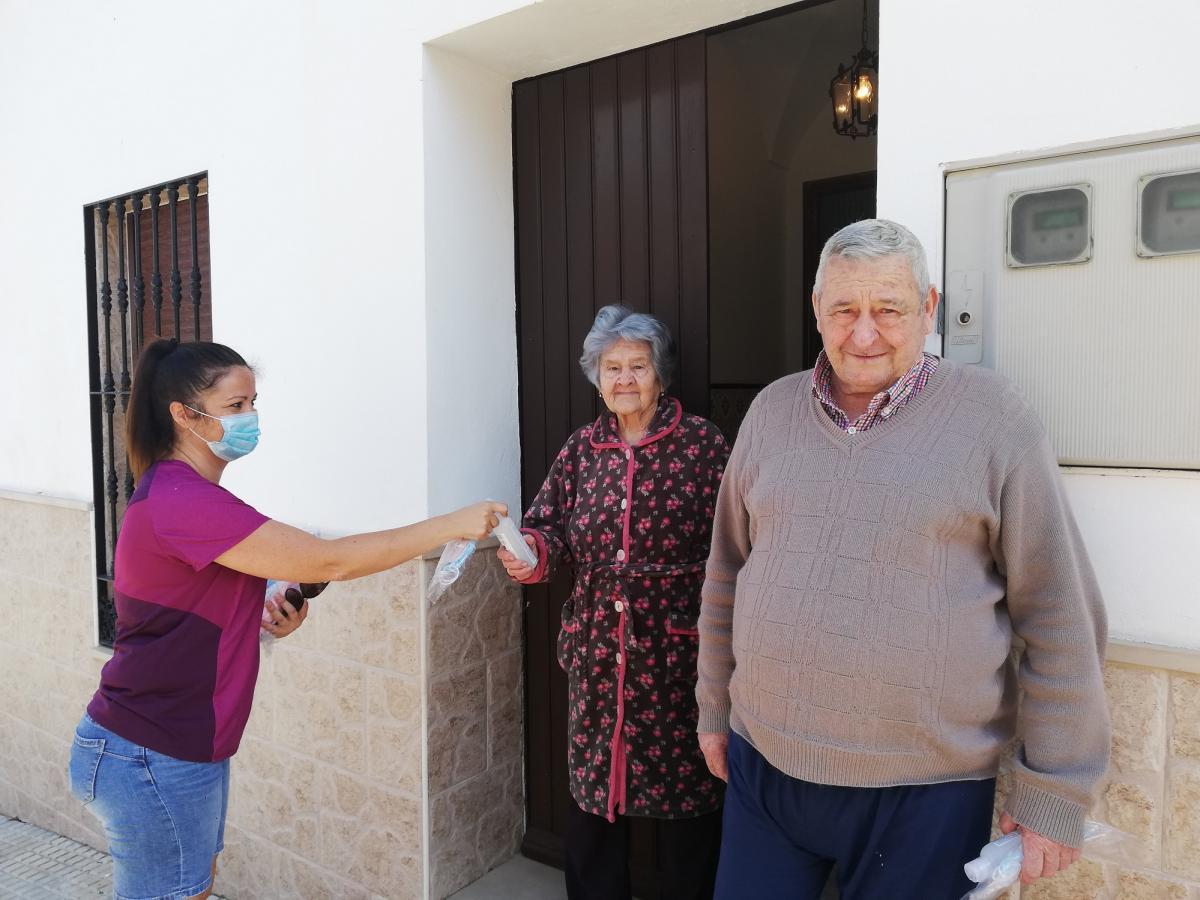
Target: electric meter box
(1076, 273)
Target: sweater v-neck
(914, 409)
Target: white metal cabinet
(1077, 275)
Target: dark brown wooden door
(611, 207)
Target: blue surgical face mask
(239, 435)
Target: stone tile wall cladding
(476, 725)
(1151, 791)
(330, 789)
(327, 791)
(47, 669)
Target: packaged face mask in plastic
(998, 866)
(450, 566)
(275, 591)
(454, 557)
(512, 540)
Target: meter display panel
(1169, 214)
(1050, 227)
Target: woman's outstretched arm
(288, 554)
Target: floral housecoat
(635, 523)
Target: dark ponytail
(168, 371)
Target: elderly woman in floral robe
(628, 506)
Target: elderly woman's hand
(517, 570)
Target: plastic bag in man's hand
(999, 863)
(449, 567)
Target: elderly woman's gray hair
(874, 239)
(615, 323)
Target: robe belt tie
(591, 577)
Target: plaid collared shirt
(883, 405)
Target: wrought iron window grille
(139, 248)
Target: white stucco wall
(474, 431)
(1142, 530)
(307, 118)
(967, 80)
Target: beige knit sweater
(863, 592)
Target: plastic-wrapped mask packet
(998, 865)
(450, 566)
(512, 540)
(291, 592)
(275, 591)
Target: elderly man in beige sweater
(888, 523)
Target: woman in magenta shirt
(151, 755)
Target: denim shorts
(164, 817)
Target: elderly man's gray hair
(875, 239)
(614, 323)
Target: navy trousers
(782, 836)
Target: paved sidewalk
(36, 864)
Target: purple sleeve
(198, 523)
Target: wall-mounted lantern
(854, 91)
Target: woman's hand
(280, 619)
(517, 570)
(476, 522)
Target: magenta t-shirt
(185, 657)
